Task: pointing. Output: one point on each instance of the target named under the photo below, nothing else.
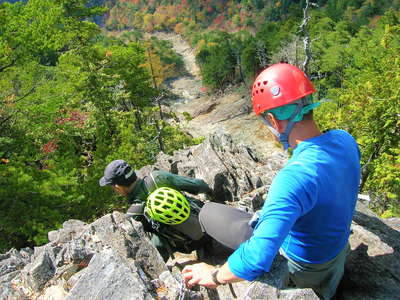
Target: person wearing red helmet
(309, 206)
(282, 93)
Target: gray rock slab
(7, 292)
(40, 271)
(113, 231)
(11, 261)
(109, 276)
(373, 264)
(11, 264)
(70, 229)
(270, 285)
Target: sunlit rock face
(112, 257)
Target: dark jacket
(158, 179)
(188, 230)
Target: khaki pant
(322, 278)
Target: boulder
(70, 229)
(373, 264)
(120, 279)
(41, 270)
(11, 264)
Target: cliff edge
(112, 258)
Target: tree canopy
(72, 100)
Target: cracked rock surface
(112, 257)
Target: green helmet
(167, 206)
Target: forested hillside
(232, 14)
(354, 63)
(74, 98)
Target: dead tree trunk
(306, 34)
(158, 100)
(159, 135)
(153, 77)
(158, 123)
(261, 53)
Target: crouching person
(169, 217)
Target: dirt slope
(230, 113)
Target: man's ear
(119, 189)
(275, 123)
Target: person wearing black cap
(184, 237)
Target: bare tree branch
(157, 99)
(261, 54)
(158, 125)
(307, 39)
(159, 136)
(9, 65)
(5, 120)
(30, 92)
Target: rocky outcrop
(233, 170)
(112, 257)
(108, 259)
(373, 264)
(11, 264)
(229, 113)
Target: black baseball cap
(118, 172)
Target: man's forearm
(208, 275)
(225, 275)
(187, 184)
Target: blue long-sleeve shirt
(309, 206)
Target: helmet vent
(167, 206)
(262, 90)
(259, 83)
(265, 82)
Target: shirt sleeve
(181, 183)
(287, 200)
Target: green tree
(368, 106)
(217, 60)
(71, 101)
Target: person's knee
(204, 213)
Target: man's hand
(200, 274)
(135, 210)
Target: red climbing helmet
(278, 85)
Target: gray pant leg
(226, 224)
(191, 227)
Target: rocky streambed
(201, 114)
